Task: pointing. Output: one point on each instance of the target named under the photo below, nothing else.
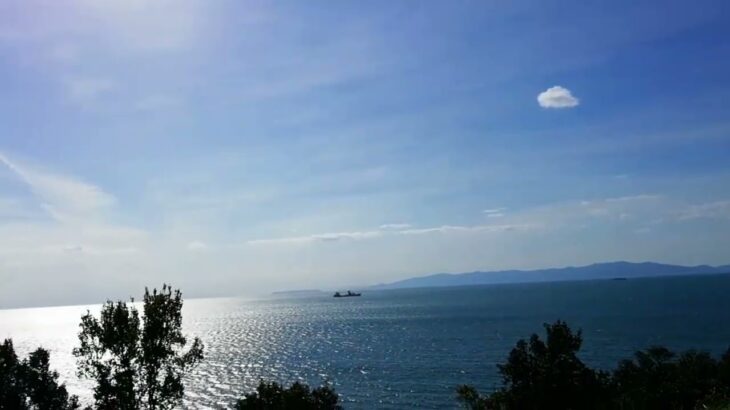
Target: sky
(243, 147)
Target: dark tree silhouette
(12, 393)
(544, 375)
(137, 362)
(41, 383)
(31, 384)
(549, 375)
(273, 396)
(659, 379)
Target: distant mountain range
(609, 270)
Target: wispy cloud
(66, 53)
(59, 194)
(324, 237)
(557, 97)
(395, 226)
(472, 228)
(158, 102)
(494, 212)
(359, 235)
(68, 249)
(714, 210)
(631, 198)
(86, 90)
(197, 246)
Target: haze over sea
(411, 347)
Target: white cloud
(84, 90)
(557, 97)
(494, 212)
(620, 208)
(157, 102)
(395, 226)
(359, 235)
(713, 210)
(324, 237)
(67, 53)
(472, 228)
(61, 196)
(197, 246)
(147, 26)
(630, 198)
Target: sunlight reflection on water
(407, 348)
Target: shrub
(273, 396)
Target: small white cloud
(88, 89)
(395, 226)
(557, 97)
(494, 212)
(197, 246)
(157, 102)
(73, 248)
(65, 53)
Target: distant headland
(607, 270)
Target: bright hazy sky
(234, 148)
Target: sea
(410, 348)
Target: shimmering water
(409, 348)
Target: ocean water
(408, 348)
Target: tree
(12, 394)
(41, 383)
(31, 384)
(471, 399)
(659, 379)
(549, 375)
(273, 396)
(544, 375)
(137, 363)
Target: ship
(346, 295)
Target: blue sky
(242, 147)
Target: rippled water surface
(408, 348)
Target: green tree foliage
(544, 374)
(659, 379)
(30, 384)
(549, 375)
(137, 362)
(273, 396)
